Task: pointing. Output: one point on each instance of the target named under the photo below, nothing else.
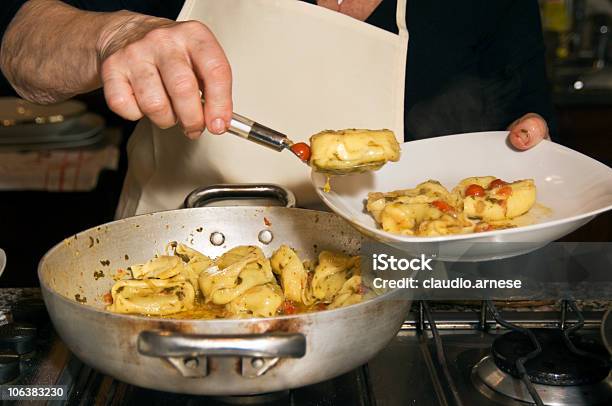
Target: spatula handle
(253, 131)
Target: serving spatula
(251, 130)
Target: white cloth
(69, 170)
(297, 68)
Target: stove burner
(502, 388)
(556, 364)
(9, 366)
(18, 337)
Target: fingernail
(218, 126)
(524, 135)
(194, 134)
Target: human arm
(148, 66)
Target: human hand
(528, 131)
(156, 68)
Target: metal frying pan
(221, 356)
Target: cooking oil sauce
(200, 310)
(534, 215)
(209, 311)
(327, 186)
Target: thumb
(528, 131)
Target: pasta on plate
(476, 204)
(241, 283)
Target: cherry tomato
(302, 150)
(504, 191)
(474, 190)
(288, 307)
(482, 227)
(442, 206)
(497, 183)
(108, 298)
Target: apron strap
(400, 17)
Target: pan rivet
(191, 363)
(257, 363)
(217, 238)
(265, 236)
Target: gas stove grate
(520, 361)
(526, 337)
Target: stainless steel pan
(214, 357)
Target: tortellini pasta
(350, 293)
(162, 267)
(333, 270)
(292, 274)
(259, 301)
(241, 283)
(475, 204)
(236, 271)
(152, 297)
(194, 262)
(428, 209)
(353, 150)
(503, 201)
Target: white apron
(297, 68)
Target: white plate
(73, 129)
(574, 186)
(16, 111)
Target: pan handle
(170, 344)
(205, 195)
(188, 352)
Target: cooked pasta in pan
(241, 283)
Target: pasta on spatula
(352, 151)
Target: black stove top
(93, 387)
(477, 367)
